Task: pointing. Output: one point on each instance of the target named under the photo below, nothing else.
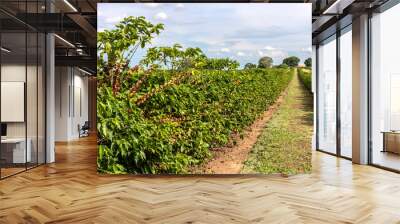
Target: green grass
(285, 144)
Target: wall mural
(204, 88)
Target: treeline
(176, 58)
(267, 62)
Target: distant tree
(265, 62)
(250, 66)
(307, 62)
(292, 61)
(283, 66)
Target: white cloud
(278, 54)
(273, 53)
(161, 16)
(101, 29)
(269, 48)
(209, 40)
(308, 49)
(152, 5)
(245, 45)
(115, 19)
(240, 53)
(180, 5)
(225, 49)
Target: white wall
(33, 127)
(14, 72)
(17, 72)
(80, 109)
(62, 83)
(71, 102)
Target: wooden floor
(70, 191)
(8, 171)
(387, 159)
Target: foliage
(250, 66)
(282, 66)
(305, 77)
(265, 62)
(174, 58)
(308, 62)
(117, 46)
(164, 115)
(221, 64)
(193, 58)
(292, 61)
(171, 121)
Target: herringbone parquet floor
(70, 191)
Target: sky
(241, 31)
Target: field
(169, 112)
(174, 119)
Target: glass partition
(346, 92)
(327, 95)
(22, 88)
(385, 89)
(13, 94)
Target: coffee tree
(221, 64)
(174, 58)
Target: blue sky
(244, 32)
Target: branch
(173, 81)
(139, 83)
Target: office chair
(84, 130)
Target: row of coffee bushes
(305, 77)
(166, 122)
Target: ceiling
(75, 21)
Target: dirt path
(229, 160)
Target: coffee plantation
(154, 119)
